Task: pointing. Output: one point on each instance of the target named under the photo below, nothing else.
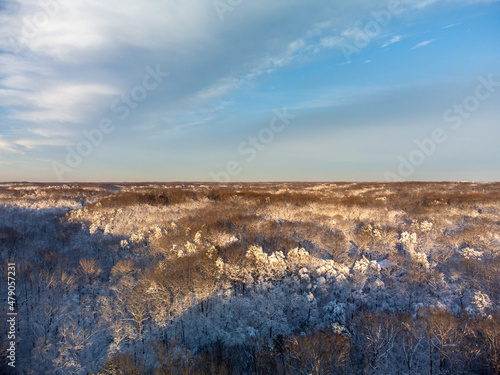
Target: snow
(173, 273)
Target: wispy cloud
(34, 143)
(394, 39)
(331, 41)
(423, 44)
(423, 3)
(7, 146)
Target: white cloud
(81, 29)
(423, 3)
(33, 143)
(7, 146)
(394, 39)
(54, 131)
(354, 33)
(331, 41)
(420, 4)
(63, 102)
(423, 44)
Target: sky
(249, 90)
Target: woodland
(257, 278)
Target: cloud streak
(394, 39)
(422, 44)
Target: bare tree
(318, 353)
(490, 331)
(377, 332)
(469, 342)
(89, 269)
(411, 338)
(173, 360)
(137, 309)
(442, 333)
(73, 346)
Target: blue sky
(184, 84)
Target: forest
(256, 278)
